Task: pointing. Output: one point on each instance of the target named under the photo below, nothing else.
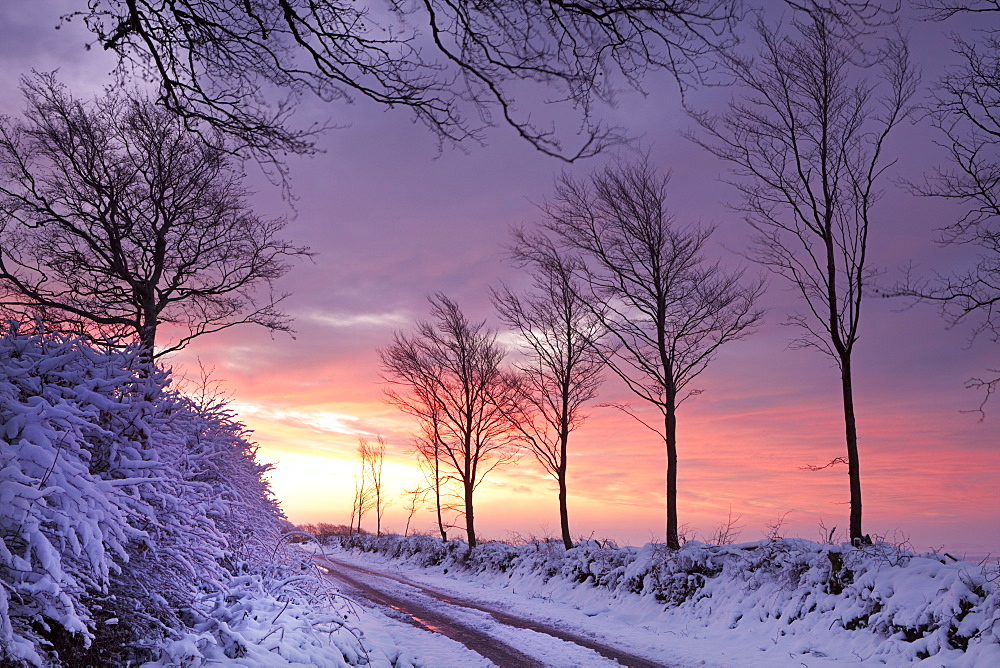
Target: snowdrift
(137, 524)
(879, 602)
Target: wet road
(441, 613)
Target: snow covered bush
(272, 619)
(64, 504)
(882, 600)
(136, 522)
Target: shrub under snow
(880, 600)
(137, 524)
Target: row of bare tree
(620, 285)
(116, 218)
(617, 284)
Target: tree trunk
(564, 511)
(670, 425)
(361, 501)
(354, 509)
(147, 333)
(561, 473)
(437, 495)
(470, 524)
(853, 461)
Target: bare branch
(940, 10)
(988, 387)
(833, 462)
(966, 111)
(241, 68)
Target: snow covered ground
(784, 602)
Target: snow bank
(876, 603)
(137, 525)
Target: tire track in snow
(434, 621)
(431, 620)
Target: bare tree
(967, 113)
(448, 375)
(563, 370)
(435, 485)
(416, 498)
(113, 215)
(666, 309)
(372, 456)
(225, 62)
(807, 138)
(362, 500)
(429, 453)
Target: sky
(392, 218)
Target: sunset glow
(743, 445)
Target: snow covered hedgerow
(131, 516)
(881, 600)
(65, 523)
(424, 550)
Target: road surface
(506, 639)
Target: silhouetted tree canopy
(456, 65)
(115, 219)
